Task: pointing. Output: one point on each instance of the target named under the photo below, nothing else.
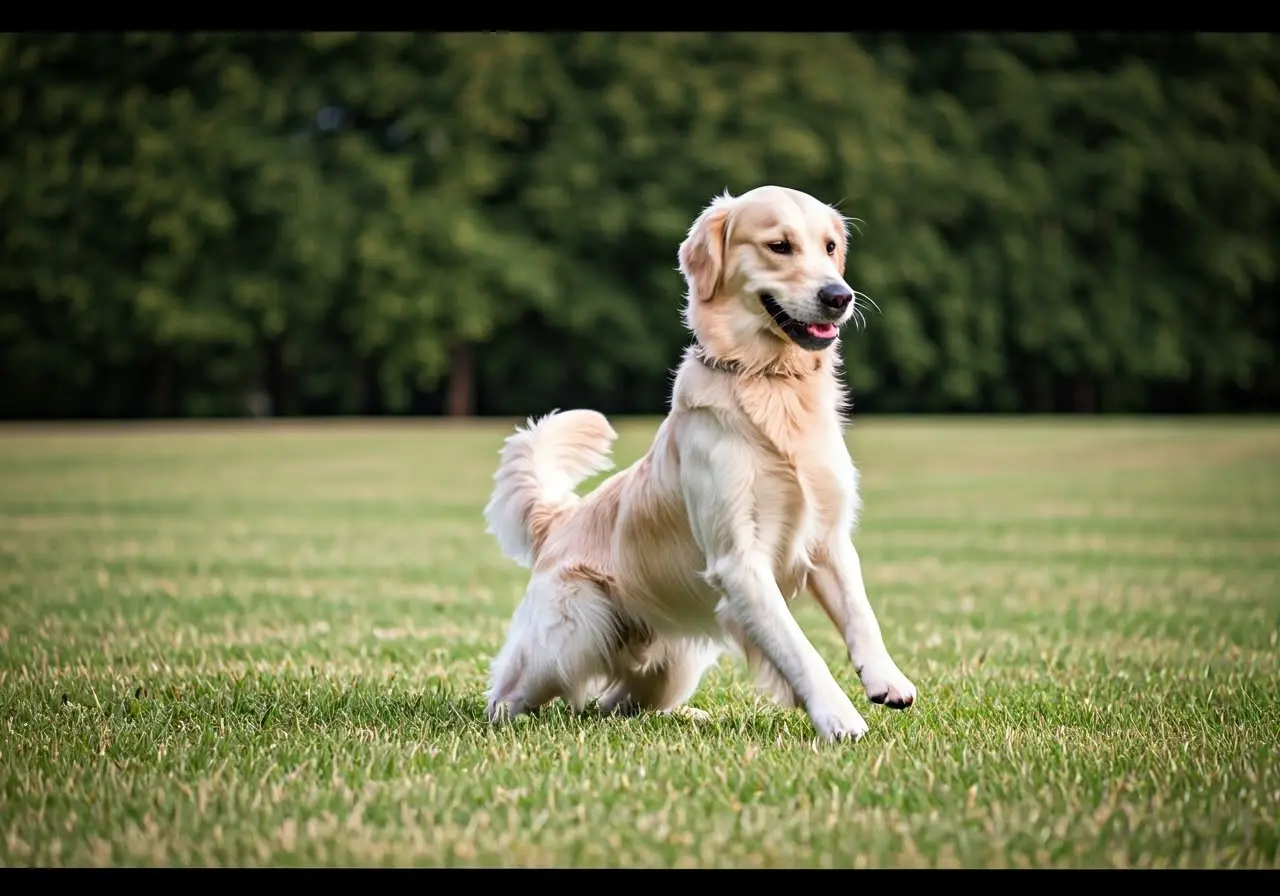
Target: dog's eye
(782, 247)
(831, 246)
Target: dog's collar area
(706, 359)
(699, 351)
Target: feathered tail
(539, 467)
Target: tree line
(220, 224)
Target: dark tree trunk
(1085, 398)
(161, 399)
(461, 396)
(355, 400)
(277, 379)
(1041, 391)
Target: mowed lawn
(267, 645)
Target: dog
(746, 497)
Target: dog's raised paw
(888, 687)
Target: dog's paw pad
(890, 688)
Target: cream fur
(746, 497)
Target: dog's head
(766, 276)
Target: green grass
(268, 645)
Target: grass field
(259, 645)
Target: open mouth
(812, 336)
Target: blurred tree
(460, 223)
(1105, 222)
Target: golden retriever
(747, 496)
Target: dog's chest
(806, 498)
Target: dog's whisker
(859, 295)
(859, 318)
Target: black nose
(835, 296)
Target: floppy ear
(702, 252)
(842, 240)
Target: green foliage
(1046, 221)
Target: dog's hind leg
(660, 676)
(561, 641)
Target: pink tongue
(821, 331)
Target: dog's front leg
(718, 478)
(754, 602)
(836, 582)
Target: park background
(266, 642)
(479, 224)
